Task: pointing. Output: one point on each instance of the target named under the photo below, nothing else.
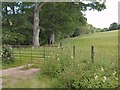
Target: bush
(87, 77)
(81, 75)
(60, 64)
(55, 63)
(7, 54)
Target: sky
(106, 17)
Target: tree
(36, 28)
(17, 27)
(113, 26)
(118, 26)
(51, 19)
(65, 17)
(57, 18)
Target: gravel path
(17, 72)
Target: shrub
(92, 77)
(80, 74)
(55, 63)
(7, 54)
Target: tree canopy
(56, 20)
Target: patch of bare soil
(17, 73)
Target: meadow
(59, 69)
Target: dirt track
(16, 73)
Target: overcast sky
(105, 18)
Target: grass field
(105, 44)
(106, 56)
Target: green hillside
(60, 69)
(104, 41)
(105, 45)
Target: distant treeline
(113, 26)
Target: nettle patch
(7, 54)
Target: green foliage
(81, 74)
(10, 37)
(84, 74)
(7, 54)
(54, 63)
(87, 77)
(113, 26)
(61, 18)
(76, 33)
(118, 26)
(19, 32)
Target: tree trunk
(6, 11)
(36, 28)
(13, 9)
(51, 38)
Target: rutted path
(14, 74)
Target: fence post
(44, 52)
(61, 45)
(92, 54)
(20, 53)
(74, 54)
(31, 54)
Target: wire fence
(29, 54)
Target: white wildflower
(104, 78)
(102, 69)
(112, 63)
(71, 57)
(58, 59)
(114, 73)
(58, 47)
(116, 78)
(10, 22)
(96, 77)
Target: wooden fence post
(44, 52)
(74, 54)
(92, 54)
(31, 54)
(20, 53)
